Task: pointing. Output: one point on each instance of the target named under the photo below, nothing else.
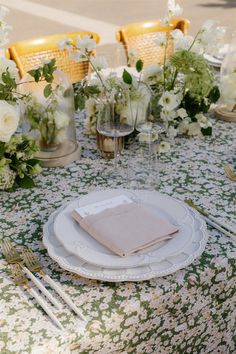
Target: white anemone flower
(169, 100)
(160, 39)
(99, 62)
(164, 147)
(86, 44)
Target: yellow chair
(140, 36)
(29, 54)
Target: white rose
(61, 120)
(9, 119)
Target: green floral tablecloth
(191, 311)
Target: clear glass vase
(51, 120)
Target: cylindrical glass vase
(50, 119)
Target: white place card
(98, 207)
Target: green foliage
(44, 73)
(8, 87)
(139, 65)
(127, 78)
(82, 92)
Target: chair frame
(41, 44)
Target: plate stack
(76, 251)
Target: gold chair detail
(30, 53)
(140, 36)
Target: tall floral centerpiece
(125, 93)
(17, 162)
(183, 87)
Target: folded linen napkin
(126, 228)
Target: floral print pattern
(190, 311)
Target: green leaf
(79, 100)
(214, 94)
(139, 65)
(206, 131)
(127, 78)
(2, 149)
(32, 162)
(47, 90)
(25, 182)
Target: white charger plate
(170, 265)
(78, 242)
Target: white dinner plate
(78, 242)
(170, 265)
(213, 61)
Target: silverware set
(214, 222)
(23, 265)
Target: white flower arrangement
(17, 163)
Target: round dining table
(190, 311)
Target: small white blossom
(168, 115)
(194, 129)
(152, 73)
(132, 57)
(61, 120)
(181, 41)
(183, 126)
(174, 10)
(172, 132)
(86, 44)
(99, 62)
(78, 56)
(65, 43)
(164, 147)
(203, 121)
(182, 113)
(160, 39)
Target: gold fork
(20, 279)
(230, 173)
(14, 257)
(34, 265)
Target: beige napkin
(126, 229)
